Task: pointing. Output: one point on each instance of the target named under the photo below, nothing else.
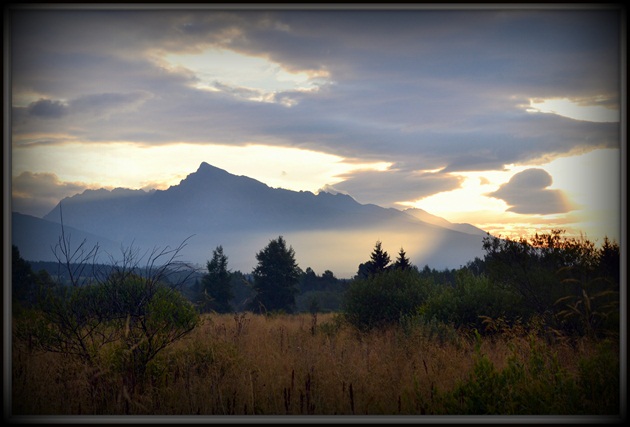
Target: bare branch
(74, 261)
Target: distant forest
(570, 281)
(323, 291)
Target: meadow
(319, 364)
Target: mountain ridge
(330, 231)
(27, 228)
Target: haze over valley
(212, 207)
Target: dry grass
(285, 364)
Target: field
(306, 364)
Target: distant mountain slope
(217, 208)
(36, 238)
(425, 216)
(212, 197)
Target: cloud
(242, 92)
(38, 193)
(100, 103)
(47, 109)
(432, 89)
(95, 104)
(386, 188)
(328, 188)
(527, 193)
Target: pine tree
(216, 283)
(402, 262)
(275, 278)
(379, 260)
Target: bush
(471, 297)
(534, 384)
(136, 316)
(319, 301)
(550, 267)
(384, 299)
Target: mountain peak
(208, 176)
(239, 212)
(207, 167)
(204, 173)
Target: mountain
(425, 216)
(328, 231)
(36, 238)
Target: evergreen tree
(379, 260)
(216, 284)
(402, 262)
(275, 278)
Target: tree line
(121, 316)
(567, 283)
(276, 284)
(141, 304)
(549, 275)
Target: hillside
(213, 207)
(36, 238)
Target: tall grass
(316, 364)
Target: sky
(502, 117)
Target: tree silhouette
(402, 262)
(551, 272)
(309, 280)
(379, 260)
(275, 278)
(216, 284)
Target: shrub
(551, 266)
(320, 301)
(136, 317)
(534, 384)
(471, 297)
(384, 299)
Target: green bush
(599, 380)
(552, 267)
(431, 328)
(384, 299)
(471, 297)
(133, 315)
(536, 384)
(319, 301)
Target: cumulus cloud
(527, 193)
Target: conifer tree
(379, 260)
(402, 262)
(216, 283)
(275, 278)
